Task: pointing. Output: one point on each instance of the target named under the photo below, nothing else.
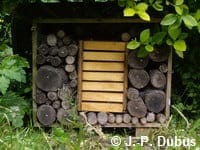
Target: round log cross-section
(51, 40)
(132, 93)
(158, 79)
(102, 118)
(159, 55)
(92, 118)
(62, 116)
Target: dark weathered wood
(52, 96)
(134, 120)
(67, 40)
(163, 68)
(135, 62)
(60, 43)
(63, 51)
(151, 117)
(48, 58)
(155, 100)
(126, 118)
(138, 78)
(73, 83)
(60, 34)
(111, 118)
(125, 37)
(62, 116)
(69, 68)
(143, 120)
(48, 102)
(63, 75)
(118, 118)
(73, 49)
(65, 104)
(102, 118)
(46, 115)
(40, 98)
(56, 61)
(158, 79)
(51, 40)
(137, 108)
(56, 104)
(159, 55)
(40, 59)
(73, 75)
(92, 118)
(53, 50)
(64, 93)
(43, 49)
(70, 60)
(132, 93)
(48, 79)
(161, 118)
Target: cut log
(73, 75)
(48, 102)
(52, 96)
(161, 118)
(60, 34)
(135, 120)
(118, 118)
(48, 58)
(40, 98)
(132, 93)
(155, 100)
(163, 68)
(62, 116)
(159, 55)
(63, 75)
(92, 118)
(64, 93)
(125, 37)
(53, 51)
(56, 61)
(138, 78)
(56, 104)
(65, 104)
(126, 118)
(48, 79)
(63, 51)
(46, 115)
(43, 49)
(40, 59)
(158, 79)
(73, 49)
(102, 118)
(73, 83)
(143, 120)
(151, 117)
(135, 62)
(111, 118)
(69, 68)
(137, 108)
(70, 60)
(51, 40)
(60, 43)
(67, 40)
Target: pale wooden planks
(103, 76)
(102, 96)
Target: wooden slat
(102, 86)
(105, 107)
(103, 66)
(103, 56)
(103, 76)
(102, 96)
(101, 45)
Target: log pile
(56, 79)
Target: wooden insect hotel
(84, 63)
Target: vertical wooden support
(125, 77)
(80, 73)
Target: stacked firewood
(56, 78)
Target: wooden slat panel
(97, 45)
(103, 66)
(103, 76)
(102, 86)
(103, 56)
(106, 107)
(102, 96)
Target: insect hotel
(84, 63)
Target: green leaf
(143, 15)
(122, 3)
(4, 84)
(142, 52)
(141, 7)
(183, 36)
(169, 20)
(197, 15)
(157, 6)
(198, 27)
(179, 53)
(178, 2)
(189, 21)
(129, 12)
(158, 37)
(179, 10)
(149, 48)
(177, 24)
(144, 35)
(133, 44)
(180, 45)
(174, 33)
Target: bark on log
(163, 68)
(135, 120)
(92, 118)
(48, 79)
(118, 118)
(73, 75)
(52, 96)
(155, 100)
(40, 59)
(56, 104)
(67, 40)
(159, 55)
(70, 60)
(73, 83)
(161, 118)
(40, 98)
(53, 51)
(43, 49)
(69, 68)
(138, 78)
(135, 62)
(64, 93)
(73, 49)
(151, 117)
(63, 51)
(143, 120)
(46, 115)
(56, 61)
(51, 40)
(137, 108)
(60, 34)
(132, 93)
(125, 37)
(65, 104)
(111, 118)
(62, 116)
(158, 79)
(102, 118)
(126, 118)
